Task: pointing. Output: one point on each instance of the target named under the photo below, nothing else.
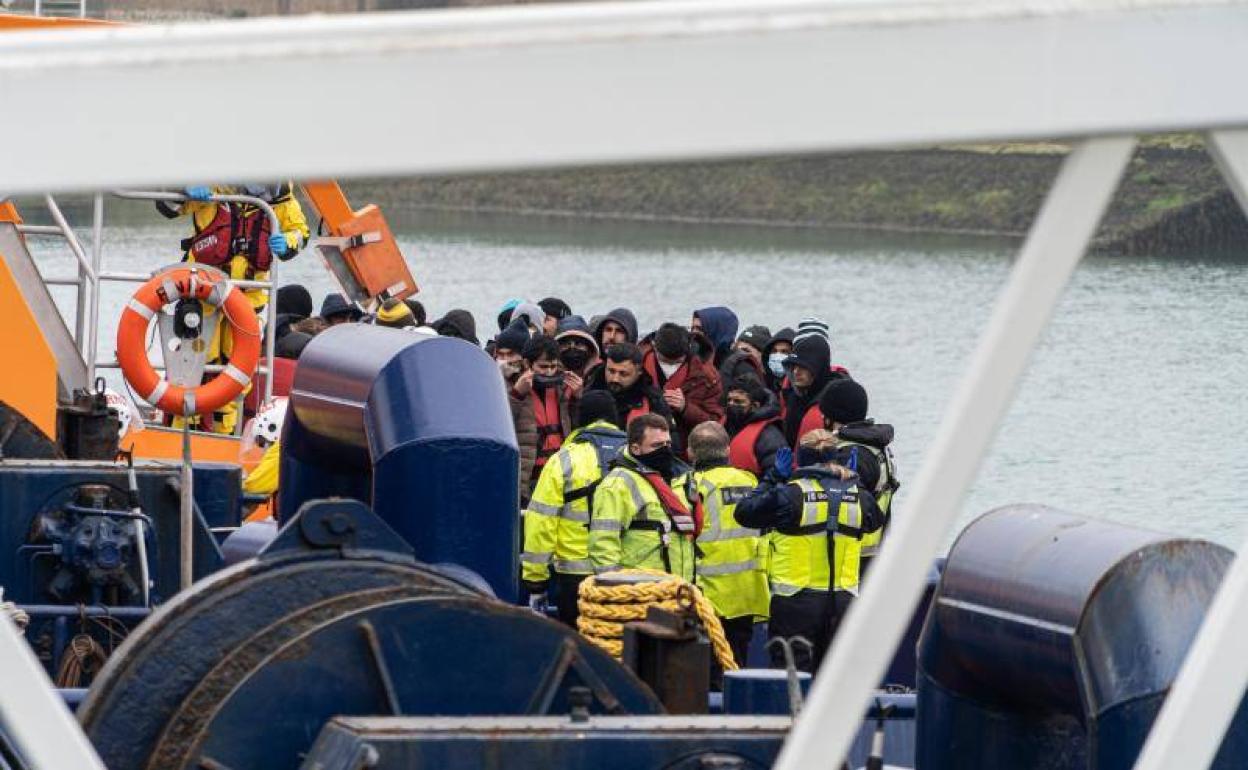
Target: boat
(378, 626)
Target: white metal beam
(31, 712)
(531, 87)
(1210, 685)
(864, 644)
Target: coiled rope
(15, 613)
(83, 657)
(606, 608)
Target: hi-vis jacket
(809, 549)
(556, 522)
(731, 563)
(631, 528)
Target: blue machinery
(377, 628)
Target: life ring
(213, 288)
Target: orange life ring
(210, 287)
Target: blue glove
(277, 244)
(199, 193)
(783, 465)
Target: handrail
(272, 284)
(81, 334)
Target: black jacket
(770, 439)
(779, 506)
(628, 400)
(855, 458)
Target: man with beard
(508, 354)
(616, 327)
(810, 370)
(753, 421)
(639, 520)
(635, 394)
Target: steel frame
(464, 91)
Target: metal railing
(91, 275)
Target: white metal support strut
(33, 715)
(1210, 685)
(863, 647)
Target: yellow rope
(605, 609)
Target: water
(1132, 409)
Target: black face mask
(543, 381)
(736, 416)
(573, 359)
(660, 459)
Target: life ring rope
(213, 288)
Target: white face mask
(775, 362)
(669, 369)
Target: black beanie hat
(672, 341)
(750, 385)
(556, 307)
(844, 401)
(514, 337)
(596, 405)
(294, 299)
(756, 336)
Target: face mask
(544, 381)
(508, 369)
(669, 369)
(660, 459)
(775, 363)
(573, 359)
(737, 415)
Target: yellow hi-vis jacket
(630, 528)
(556, 522)
(799, 559)
(732, 569)
(883, 492)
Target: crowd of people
(744, 462)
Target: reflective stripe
(601, 568)
(171, 290)
(731, 568)
(715, 536)
(605, 525)
(578, 566)
(788, 589)
(869, 550)
(220, 292)
(236, 374)
(530, 557)
(188, 402)
(855, 512)
(157, 393)
(565, 464)
(542, 509)
(639, 500)
(567, 514)
(141, 309)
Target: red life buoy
(210, 287)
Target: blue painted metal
(419, 428)
(602, 743)
(1054, 638)
(760, 691)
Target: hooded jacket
(719, 324)
(770, 439)
(769, 378)
(811, 353)
(739, 364)
(622, 316)
(457, 323)
(701, 386)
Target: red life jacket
(684, 521)
(549, 426)
(741, 450)
(235, 230)
(283, 378)
(637, 411)
(651, 365)
(812, 420)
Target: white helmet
(127, 413)
(267, 428)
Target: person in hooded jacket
(775, 352)
(809, 371)
(547, 393)
(615, 327)
(690, 385)
(746, 358)
(509, 355)
(457, 323)
(578, 350)
(862, 446)
(719, 325)
(752, 419)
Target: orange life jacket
(549, 426)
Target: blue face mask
(775, 362)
